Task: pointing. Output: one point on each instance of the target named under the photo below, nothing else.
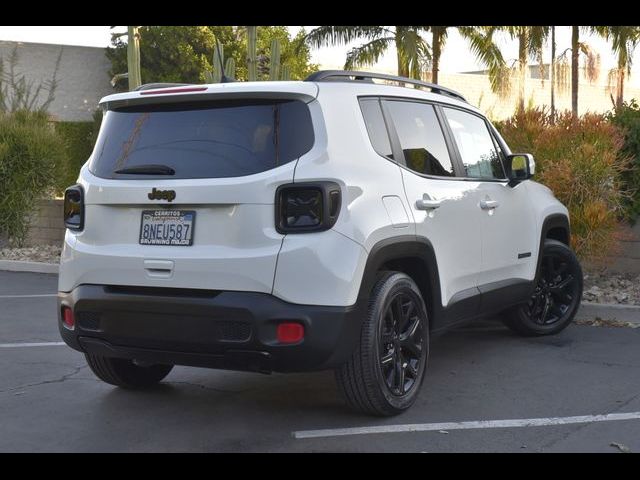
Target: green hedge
(79, 139)
(627, 117)
(30, 153)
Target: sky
(456, 57)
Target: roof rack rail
(348, 75)
(153, 86)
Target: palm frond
(562, 78)
(339, 35)
(536, 37)
(367, 54)
(444, 33)
(414, 52)
(624, 40)
(485, 49)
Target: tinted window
(376, 127)
(204, 139)
(477, 149)
(421, 138)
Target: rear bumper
(215, 329)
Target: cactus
(258, 66)
(215, 76)
(230, 68)
(133, 57)
(252, 62)
(285, 72)
(274, 64)
(218, 61)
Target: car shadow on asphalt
(209, 393)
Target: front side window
(207, 139)
(478, 152)
(421, 138)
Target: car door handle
(489, 204)
(425, 203)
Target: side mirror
(522, 166)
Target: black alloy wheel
(556, 292)
(556, 297)
(401, 344)
(386, 370)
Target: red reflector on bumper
(67, 318)
(290, 332)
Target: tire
(558, 264)
(125, 373)
(384, 377)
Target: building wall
(477, 90)
(83, 75)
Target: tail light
(307, 207)
(74, 207)
(68, 319)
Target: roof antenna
(223, 77)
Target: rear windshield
(203, 139)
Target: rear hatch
(180, 188)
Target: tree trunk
(553, 73)
(522, 67)
(436, 48)
(620, 99)
(575, 56)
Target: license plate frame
(147, 217)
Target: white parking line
(29, 296)
(480, 424)
(21, 345)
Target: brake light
(307, 207)
(74, 208)
(290, 332)
(164, 91)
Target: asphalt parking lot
(487, 390)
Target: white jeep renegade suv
(292, 226)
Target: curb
(32, 267)
(605, 311)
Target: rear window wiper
(150, 169)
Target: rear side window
(421, 138)
(476, 145)
(376, 127)
(203, 139)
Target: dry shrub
(582, 162)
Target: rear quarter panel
(373, 207)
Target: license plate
(167, 227)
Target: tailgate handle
(158, 268)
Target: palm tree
(567, 71)
(624, 40)
(553, 73)
(481, 42)
(530, 42)
(575, 59)
(412, 50)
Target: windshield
(203, 139)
